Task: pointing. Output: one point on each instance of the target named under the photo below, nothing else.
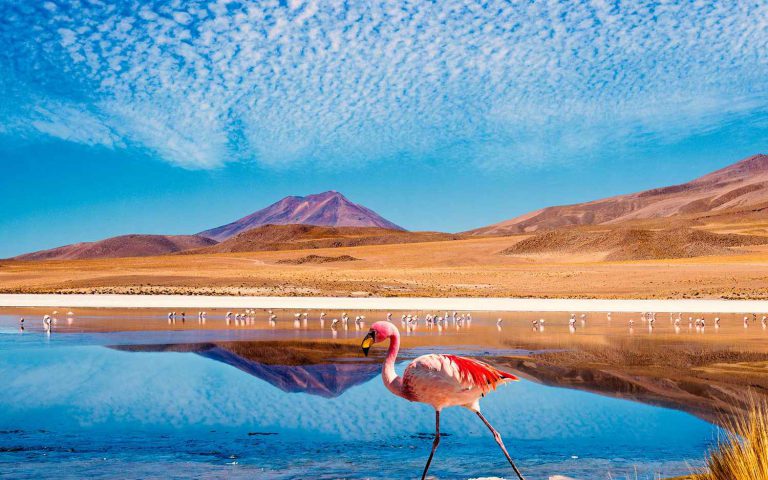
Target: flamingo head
(379, 332)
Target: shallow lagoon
(103, 404)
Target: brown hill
(122, 246)
(634, 244)
(736, 191)
(323, 209)
(297, 237)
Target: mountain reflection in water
(302, 368)
(73, 409)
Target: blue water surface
(72, 407)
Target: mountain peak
(738, 189)
(749, 166)
(328, 209)
(326, 194)
(758, 161)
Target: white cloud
(73, 123)
(190, 140)
(497, 84)
(182, 17)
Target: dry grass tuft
(743, 451)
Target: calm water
(120, 405)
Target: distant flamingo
(440, 381)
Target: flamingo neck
(393, 382)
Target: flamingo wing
(444, 380)
(474, 373)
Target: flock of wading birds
(411, 322)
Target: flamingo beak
(367, 342)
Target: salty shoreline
(383, 303)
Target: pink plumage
(480, 373)
(449, 380)
(439, 380)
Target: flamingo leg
(435, 443)
(497, 437)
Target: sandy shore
(410, 303)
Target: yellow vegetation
(742, 453)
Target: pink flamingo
(440, 381)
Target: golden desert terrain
(466, 266)
(707, 238)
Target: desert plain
(471, 266)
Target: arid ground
(466, 267)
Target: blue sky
(173, 117)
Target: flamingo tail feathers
(479, 373)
